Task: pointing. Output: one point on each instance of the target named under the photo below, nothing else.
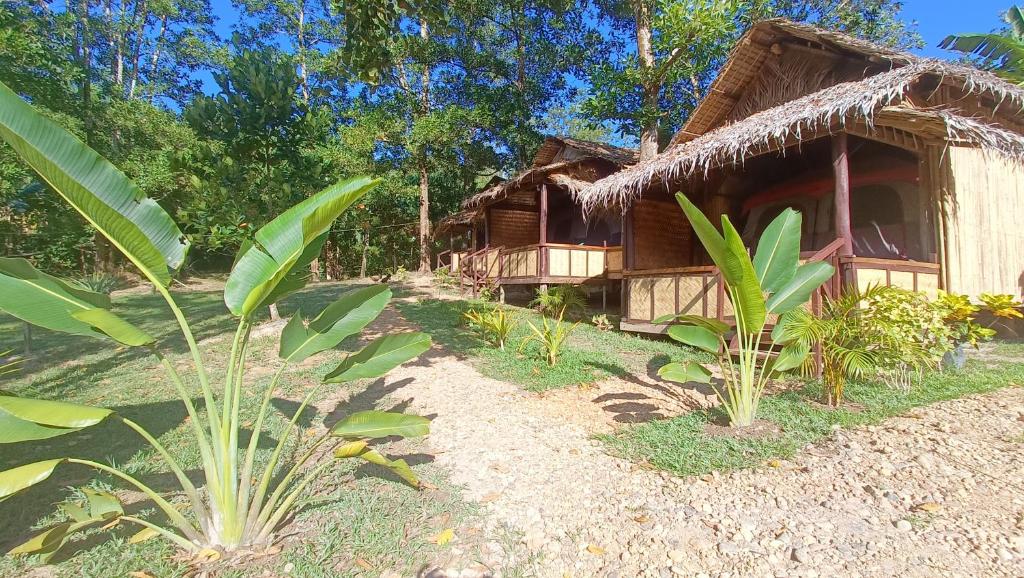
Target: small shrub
(914, 329)
(443, 278)
(98, 282)
(1003, 308)
(958, 312)
(494, 326)
(400, 274)
(601, 322)
(559, 300)
(487, 292)
(551, 336)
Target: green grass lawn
(356, 512)
(590, 354)
(680, 445)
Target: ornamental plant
(773, 283)
(494, 326)
(238, 501)
(559, 300)
(551, 335)
(851, 347)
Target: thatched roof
(768, 37)
(461, 219)
(844, 106)
(583, 148)
(548, 163)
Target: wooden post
(628, 244)
(543, 229)
(487, 228)
(841, 173)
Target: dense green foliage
(238, 506)
(224, 130)
(1001, 51)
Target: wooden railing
(559, 261)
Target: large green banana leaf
(713, 325)
(696, 336)
(284, 246)
(23, 419)
(345, 317)
(778, 251)
(745, 290)
(98, 507)
(45, 300)
(17, 479)
(381, 424)
(50, 302)
(685, 372)
(112, 203)
(380, 357)
(808, 277)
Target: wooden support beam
(841, 174)
(487, 228)
(543, 257)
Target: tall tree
(648, 86)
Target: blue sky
(938, 18)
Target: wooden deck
(540, 263)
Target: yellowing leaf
(143, 535)
(930, 507)
(595, 550)
(774, 464)
(207, 555)
(140, 573)
(446, 535)
(364, 564)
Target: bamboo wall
(513, 228)
(661, 235)
(693, 293)
(582, 262)
(983, 223)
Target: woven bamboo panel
(928, 283)
(558, 262)
(614, 260)
(868, 277)
(661, 234)
(492, 263)
(527, 196)
(595, 263)
(902, 279)
(578, 263)
(640, 298)
(692, 292)
(985, 238)
(664, 296)
(510, 228)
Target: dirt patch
(760, 429)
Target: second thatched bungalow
(530, 231)
(908, 172)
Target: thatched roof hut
(569, 161)
(909, 171)
(879, 104)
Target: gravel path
(936, 492)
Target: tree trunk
(424, 176)
(651, 87)
(155, 59)
(366, 249)
(139, 26)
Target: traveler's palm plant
(773, 283)
(242, 500)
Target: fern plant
(551, 336)
(495, 325)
